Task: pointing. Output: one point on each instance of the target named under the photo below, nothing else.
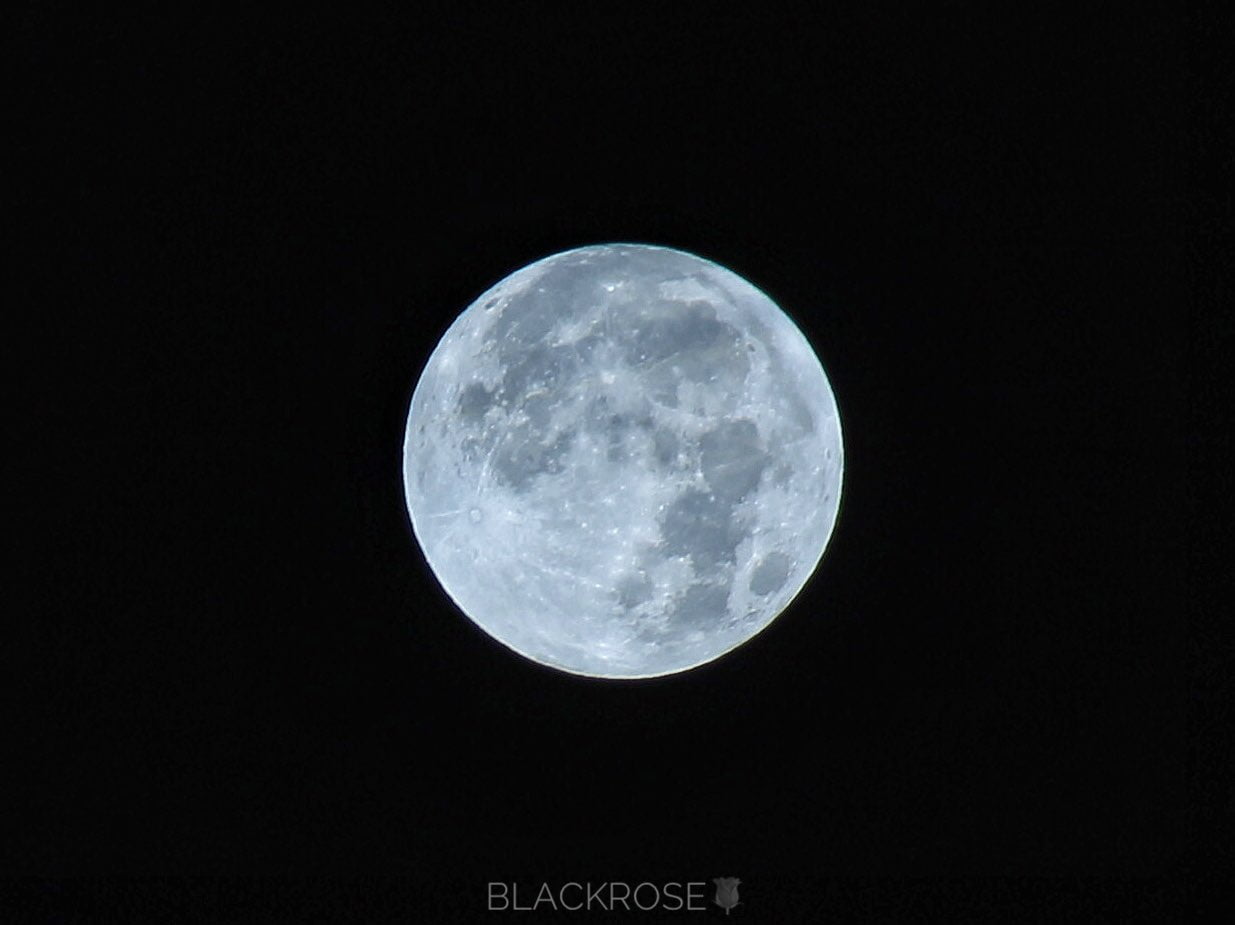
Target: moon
(623, 461)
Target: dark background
(245, 236)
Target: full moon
(623, 461)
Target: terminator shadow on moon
(623, 461)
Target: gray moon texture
(623, 461)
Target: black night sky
(246, 235)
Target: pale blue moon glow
(623, 461)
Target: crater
(665, 328)
(539, 367)
(564, 289)
(731, 459)
(665, 446)
(524, 454)
(799, 413)
(701, 606)
(473, 448)
(701, 525)
(771, 573)
(474, 401)
(633, 590)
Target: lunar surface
(623, 461)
